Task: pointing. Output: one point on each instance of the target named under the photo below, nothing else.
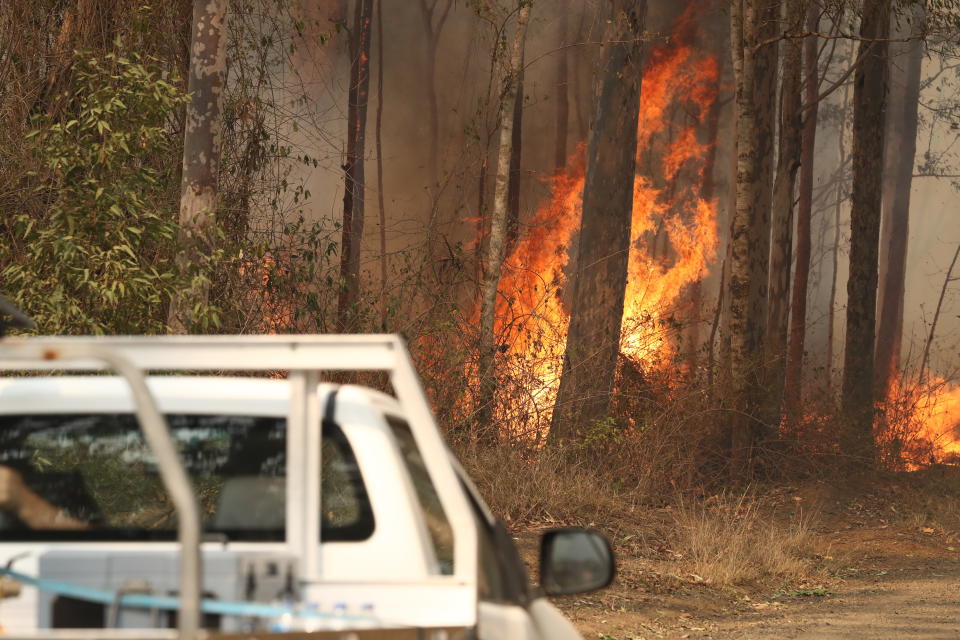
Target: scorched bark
(593, 338)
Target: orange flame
(921, 423)
(273, 314)
(531, 317)
(941, 421)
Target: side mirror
(575, 561)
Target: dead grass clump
(523, 486)
(730, 541)
(927, 499)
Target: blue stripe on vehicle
(171, 603)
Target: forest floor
(882, 561)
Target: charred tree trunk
(499, 223)
(583, 64)
(900, 153)
(563, 102)
(707, 192)
(788, 161)
(801, 278)
(353, 168)
(755, 70)
(593, 339)
(201, 158)
(869, 113)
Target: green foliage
(98, 258)
(602, 436)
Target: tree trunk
(693, 338)
(925, 359)
(201, 158)
(838, 207)
(801, 278)
(593, 338)
(755, 71)
(353, 168)
(499, 222)
(715, 326)
(433, 172)
(869, 113)
(516, 148)
(766, 62)
(781, 223)
(900, 154)
(433, 28)
(584, 58)
(563, 102)
(380, 196)
(724, 356)
(765, 95)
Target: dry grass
(723, 540)
(542, 486)
(927, 499)
(731, 541)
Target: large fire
(920, 423)
(678, 90)
(940, 420)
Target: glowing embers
(270, 313)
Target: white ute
(192, 504)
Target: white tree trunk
(498, 221)
(201, 157)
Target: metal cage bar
(157, 434)
(213, 353)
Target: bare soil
(882, 572)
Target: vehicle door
(510, 607)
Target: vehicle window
(503, 577)
(347, 514)
(98, 471)
(492, 582)
(439, 527)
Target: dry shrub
(536, 486)
(615, 465)
(730, 541)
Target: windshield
(97, 470)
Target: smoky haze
(467, 91)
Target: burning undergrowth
(674, 239)
(919, 423)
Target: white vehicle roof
(174, 394)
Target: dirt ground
(878, 577)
